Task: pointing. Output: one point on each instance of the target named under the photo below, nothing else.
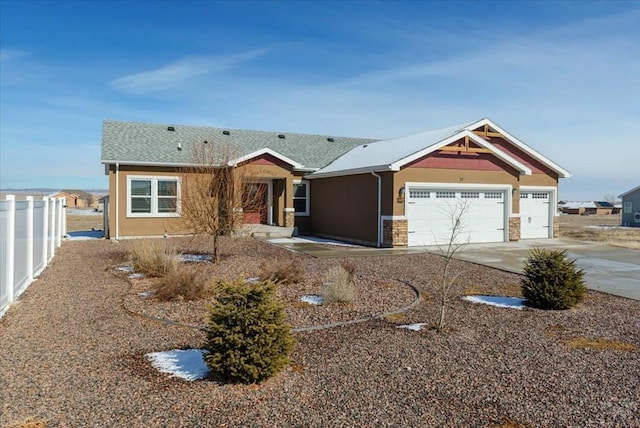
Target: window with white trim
(628, 207)
(153, 196)
(301, 198)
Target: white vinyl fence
(30, 231)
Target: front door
(255, 204)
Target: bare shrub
(184, 283)
(153, 257)
(338, 286)
(290, 273)
(349, 267)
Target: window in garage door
(429, 214)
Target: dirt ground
(83, 222)
(599, 228)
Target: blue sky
(562, 76)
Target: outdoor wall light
(514, 191)
(401, 192)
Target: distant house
(396, 193)
(589, 208)
(75, 198)
(631, 207)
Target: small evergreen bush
(338, 286)
(184, 283)
(282, 273)
(248, 338)
(153, 257)
(551, 281)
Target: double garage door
(431, 215)
(432, 212)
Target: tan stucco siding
(346, 207)
(280, 177)
(138, 226)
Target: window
(540, 195)
(445, 195)
(470, 195)
(493, 195)
(301, 198)
(420, 194)
(153, 196)
(628, 207)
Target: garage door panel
(534, 214)
(430, 213)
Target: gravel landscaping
(73, 349)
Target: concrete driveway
(611, 270)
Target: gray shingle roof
(149, 143)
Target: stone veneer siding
(556, 226)
(394, 233)
(289, 219)
(514, 228)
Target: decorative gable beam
(487, 124)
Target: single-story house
(394, 192)
(590, 208)
(75, 198)
(631, 207)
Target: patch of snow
(146, 294)
(136, 276)
(499, 301)
(196, 258)
(604, 227)
(187, 364)
(252, 280)
(126, 268)
(84, 235)
(414, 327)
(312, 299)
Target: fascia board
(144, 163)
(355, 171)
(473, 137)
(554, 166)
(628, 192)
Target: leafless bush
(184, 283)
(153, 257)
(338, 286)
(290, 273)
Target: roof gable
(628, 192)
(562, 173)
(393, 154)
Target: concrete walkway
(611, 270)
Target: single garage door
(430, 219)
(534, 215)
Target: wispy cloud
(174, 73)
(11, 54)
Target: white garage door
(430, 219)
(534, 215)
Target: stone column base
(514, 228)
(395, 232)
(289, 217)
(556, 226)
